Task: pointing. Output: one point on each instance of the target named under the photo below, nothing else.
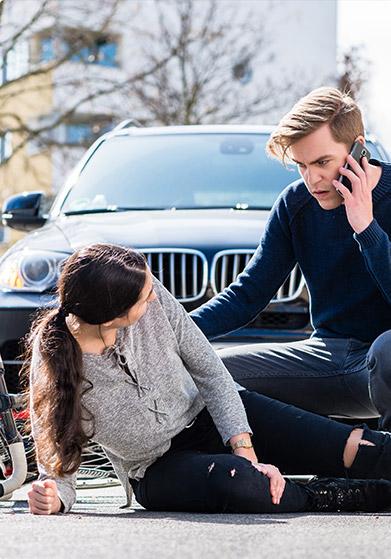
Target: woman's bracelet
(241, 443)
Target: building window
(46, 47)
(5, 146)
(84, 133)
(16, 62)
(77, 133)
(242, 71)
(80, 132)
(100, 49)
(4, 234)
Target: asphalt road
(97, 528)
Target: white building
(300, 35)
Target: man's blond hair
(325, 105)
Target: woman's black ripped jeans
(199, 474)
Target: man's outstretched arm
(239, 303)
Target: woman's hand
(277, 482)
(43, 497)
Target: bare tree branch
(25, 28)
(197, 85)
(1, 9)
(354, 72)
(192, 63)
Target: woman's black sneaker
(349, 495)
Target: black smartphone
(358, 151)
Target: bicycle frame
(14, 440)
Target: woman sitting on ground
(121, 362)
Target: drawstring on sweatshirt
(132, 374)
(134, 380)
(157, 412)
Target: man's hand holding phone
(358, 201)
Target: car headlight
(31, 270)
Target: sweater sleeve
(375, 247)
(215, 384)
(66, 485)
(244, 299)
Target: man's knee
(379, 354)
(235, 360)
(226, 354)
(379, 367)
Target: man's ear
(360, 139)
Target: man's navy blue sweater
(348, 275)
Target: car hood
(200, 229)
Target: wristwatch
(241, 443)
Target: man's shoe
(349, 495)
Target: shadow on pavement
(226, 518)
(110, 508)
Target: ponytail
(58, 386)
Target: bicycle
(15, 472)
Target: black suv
(194, 199)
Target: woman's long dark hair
(97, 284)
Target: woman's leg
(192, 481)
(302, 442)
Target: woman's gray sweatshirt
(174, 374)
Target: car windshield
(167, 171)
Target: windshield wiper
(115, 209)
(265, 208)
(233, 207)
(110, 209)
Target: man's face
(318, 157)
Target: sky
(368, 22)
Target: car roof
(192, 129)
(124, 129)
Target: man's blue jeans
(330, 376)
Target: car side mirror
(24, 211)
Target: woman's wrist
(248, 453)
(60, 507)
(242, 440)
(241, 445)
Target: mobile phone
(358, 151)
